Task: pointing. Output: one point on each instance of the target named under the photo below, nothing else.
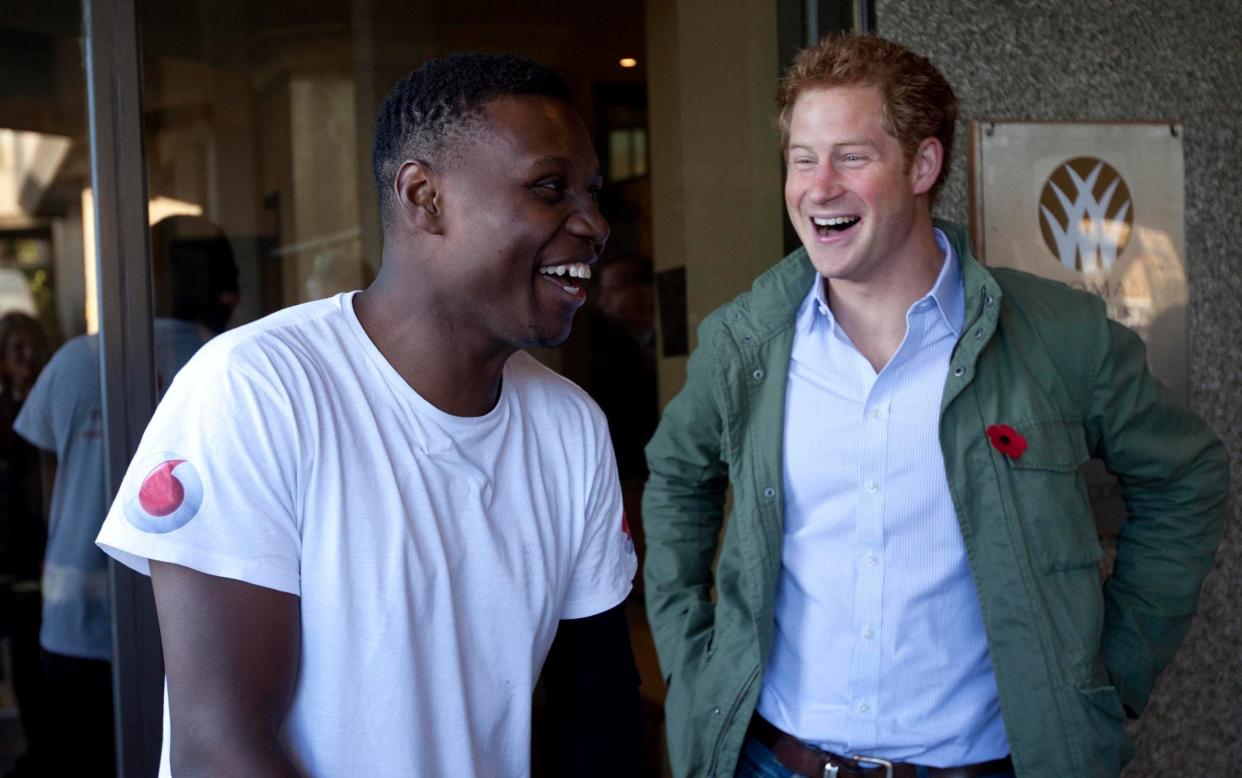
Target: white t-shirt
(433, 554)
(64, 415)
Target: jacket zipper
(737, 702)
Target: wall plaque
(1099, 206)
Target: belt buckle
(830, 770)
(874, 760)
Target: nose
(824, 184)
(588, 222)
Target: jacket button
(959, 371)
(758, 374)
(733, 315)
(715, 711)
(769, 492)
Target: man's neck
(421, 341)
(872, 312)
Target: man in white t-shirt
(367, 518)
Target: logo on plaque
(1086, 214)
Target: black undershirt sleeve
(594, 721)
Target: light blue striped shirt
(879, 648)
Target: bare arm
(231, 654)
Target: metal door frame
(113, 63)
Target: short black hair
(441, 103)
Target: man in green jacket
(908, 583)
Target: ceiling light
(629, 62)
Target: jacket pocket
(1059, 445)
(685, 720)
(1050, 494)
(698, 635)
(1105, 699)
(1105, 742)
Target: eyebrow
(562, 163)
(551, 161)
(837, 145)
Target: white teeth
(574, 269)
(833, 221)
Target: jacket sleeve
(683, 508)
(1174, 475)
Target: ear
(925, 166)
(416, 196)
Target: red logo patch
(167, 497)
(161, 493)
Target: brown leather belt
(812, 762)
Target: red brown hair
(918, 101)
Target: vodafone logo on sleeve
(625, 530)
(168, 496)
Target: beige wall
(715, 163)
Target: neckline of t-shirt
(345, 301)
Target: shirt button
(864, 708)
(872, 487)
(871, 559)
(867, 633)
(875, 413)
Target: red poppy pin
(1006, 440)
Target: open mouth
(568, 276)
(825, 226)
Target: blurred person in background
(194, 283)
(23, 532)
(623, 366)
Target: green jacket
(1068, 651)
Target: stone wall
(1142, 59)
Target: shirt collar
(946, 294)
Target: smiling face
(522, 222)
(853, 197)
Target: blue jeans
(757, 761)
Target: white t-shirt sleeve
(604, 570)
(214, 481)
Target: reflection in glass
(54, 651)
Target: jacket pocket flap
(1106, 699)
(1059, 445)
